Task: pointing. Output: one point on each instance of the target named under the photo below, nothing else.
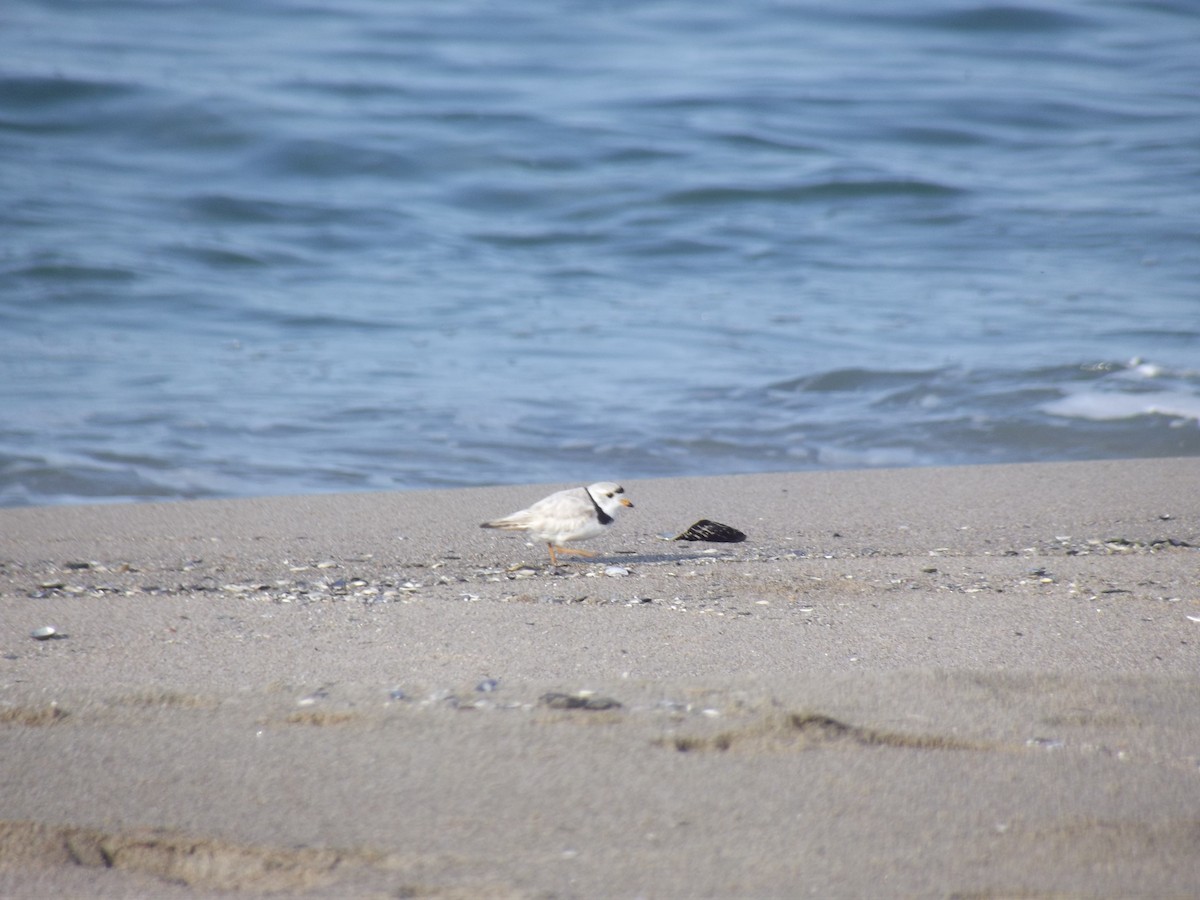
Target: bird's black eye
(609, 494)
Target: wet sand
(968, 682)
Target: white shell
(44, 633)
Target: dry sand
(972, 682)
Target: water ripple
(293, 247)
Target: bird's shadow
(646, 558)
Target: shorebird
(576, 514)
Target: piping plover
(576, 514)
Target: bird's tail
(508, 524)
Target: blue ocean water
(290, 247)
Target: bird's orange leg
(572, 550)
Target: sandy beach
(975, 682)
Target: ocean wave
(1136, 389)
(1106, 406)
(285, 248)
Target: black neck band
(604, 517)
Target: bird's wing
(565, 504)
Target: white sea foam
(1103, 406)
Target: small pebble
(581, 700)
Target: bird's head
(609, 496)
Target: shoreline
(971, 680)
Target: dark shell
(708, 530)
